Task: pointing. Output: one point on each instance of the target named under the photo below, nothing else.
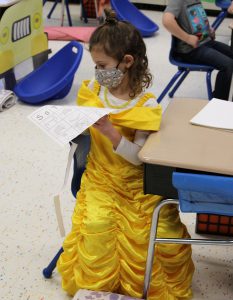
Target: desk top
(183, 145)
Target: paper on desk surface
(64, 123)
(216, 113)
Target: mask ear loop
(96, 68)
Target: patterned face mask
(110, 78)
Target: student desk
(180, 145)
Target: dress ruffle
(107, 247)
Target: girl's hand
(106, 128)
(103, 125)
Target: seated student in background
(106, 248)
(195, 41)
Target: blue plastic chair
(183, 70)
(126, 11)
(54, 78)
(79, 160)
(54, 6)
(223, 4)
(197, 193)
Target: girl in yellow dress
(107, 247)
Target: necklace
(114, 106)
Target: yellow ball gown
(107, 247)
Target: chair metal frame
(154, 240)
(54, 6)
(83, 17)
(219, 190)
(223, 4)
(183, 70)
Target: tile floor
(31, 172)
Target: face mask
(109, 78)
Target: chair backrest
(204, 193)
(79, 159)
(172, 57)
(175, 60)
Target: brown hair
(119, 38)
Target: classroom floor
(32, 171)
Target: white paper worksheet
(64, 123)
(216, 113)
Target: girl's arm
(107, 129)
(129, 150)
(121, 145)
